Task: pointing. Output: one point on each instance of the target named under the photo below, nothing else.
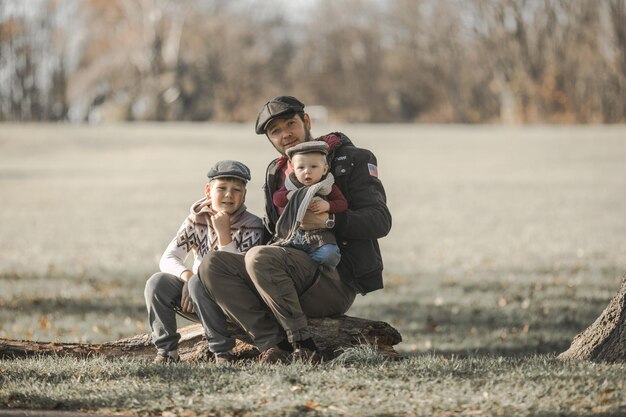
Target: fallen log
(332, 335)
(605, 339)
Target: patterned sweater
(196, 235)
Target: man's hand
(313, 221)
(185, 302)
(221, 224)
(319, 206)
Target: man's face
(285, 133)
(226, 194)
(309, 167)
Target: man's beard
(307, 134)
(307, 137)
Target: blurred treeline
(467, 61)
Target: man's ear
(307, 121)
(207, 190)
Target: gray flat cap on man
(282, 106)
(229, 169)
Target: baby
(310, 186)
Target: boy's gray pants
(163, 294)
(271, 292)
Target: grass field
(506, 243)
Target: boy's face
(226, 194)
(309, 168)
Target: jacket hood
(200, 207)
(336, 140)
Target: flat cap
(311, 146)
(275, 108)
(229, 169)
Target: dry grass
(506, 243)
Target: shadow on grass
(74, 306)
(548, 348)
(489, 331)
(27, 405)
(582, 414)
(46, 413)
(429, 318)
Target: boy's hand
(185, 302)
(319, 206)
(221, 224)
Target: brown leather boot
(274, 355)
(223, 358)
(166, 357)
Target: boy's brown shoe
(224, 358)
(274, 355)
(166, 358)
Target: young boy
(217, 222)
(309, 186)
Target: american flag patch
(373, 170)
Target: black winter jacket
(357, 229)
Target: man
(287, 280)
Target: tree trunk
(605, 339)
(332, 335)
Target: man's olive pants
(271, 291)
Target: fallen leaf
(44, 323)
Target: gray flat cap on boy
(308, 147)
(282, 106)
(229, 169)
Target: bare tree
(401, 60)
(35, 58)
(412, 71)
(614, 100)
(130, 55)
(605, 339)
(341, 61)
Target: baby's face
(309, 168)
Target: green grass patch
(506, 243)
(357, 383)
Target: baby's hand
(319, 206)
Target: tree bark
(332, 335)
(605, 339)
